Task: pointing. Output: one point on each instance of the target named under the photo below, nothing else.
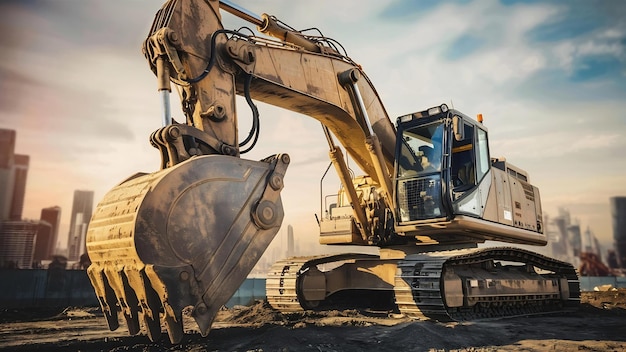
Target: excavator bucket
(183, 236)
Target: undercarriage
(466, 284)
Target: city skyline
(14, 169)
(26, 243)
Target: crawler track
(420, 294)
(281, 287)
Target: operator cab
(448, 190)
(442, 160)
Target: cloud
(406, 10)
(463, 46)
(586, 39)
(15, 85)
(579, 18)
(72, 111)
(582, 145)
(88, 24)
(603, 50)
(58, 79)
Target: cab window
(420, 151)
(463, 170)
(470, 159)
(482, 155)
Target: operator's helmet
(427, 151)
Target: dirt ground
(599, 325)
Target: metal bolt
(184, 276)
(268, 213)
(173, 37)
(174, 133)
(201, 309)
(228, 150)
(276, 182)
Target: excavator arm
(210, 65)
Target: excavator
(186, 236)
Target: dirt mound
(615, 298)
(47, 314)
(261, 313)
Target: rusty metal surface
(184, 236)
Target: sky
(549, 78)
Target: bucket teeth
(133, 293)
(153, 327)
(105, 295)
(126, 298)
(174, 327)
(151, 308)
(171, 294)
(135, 287)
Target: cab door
(469, 170)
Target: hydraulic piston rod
(267, 24)
(163, 77)
(240, 12)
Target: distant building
(7, 160)
(575, 237)
(82, 208)
(13, 172)
(51, 216)
(597, 247)
(564, 238)
(7, 147)
(42, 242)
(17, 243)
(290, 242)
(591, 243)
(20, 171)
(618, 213)
(556, 231)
